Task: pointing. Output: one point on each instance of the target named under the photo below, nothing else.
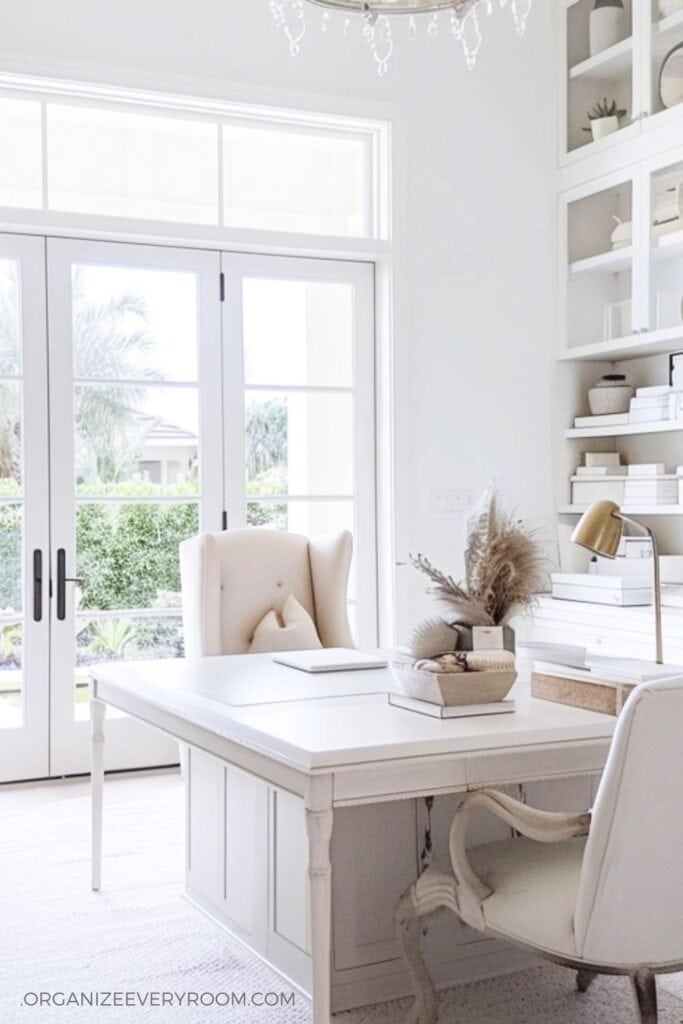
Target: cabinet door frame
(25, 748)
(130, 743)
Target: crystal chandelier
(464, 21)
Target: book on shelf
(612, 419)
(657, 389)
(628, 591)
(594, 471)
(646, 469)
(651, 415)
(600, 460)
(423, 707)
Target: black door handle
(62, 580)
(37, 585)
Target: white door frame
(24, 751)
(238, 266)
(129, 743)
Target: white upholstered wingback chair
(600, 892)
(231, 580)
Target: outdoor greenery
(127, 550)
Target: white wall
(479, 214)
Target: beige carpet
(139, 935)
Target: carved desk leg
(432, 890)
(97, 713)
(319, 828)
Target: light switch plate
(450, 504)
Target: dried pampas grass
(505, 567)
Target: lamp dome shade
(600, 528)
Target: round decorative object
(671, 78)
(610, 395)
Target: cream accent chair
(611, 903)
(231, 580)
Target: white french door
(136, 467)
(24, 523)
(148, 393)
(299, 387)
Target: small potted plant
(604, 119)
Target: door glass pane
(10, 438)
(136, 441)
(298, 332)
(134, 323)
(132, 165)
(10, 340)
(299, 443)
(289, 181)
(116, 638)
(21, 164)
(11, 545)
(10, 673)
(127, 554)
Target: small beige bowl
(454, 689)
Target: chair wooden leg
(584, 980)
(645, 991)
(431, 891)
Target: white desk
(288, 740)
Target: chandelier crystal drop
(463, 17)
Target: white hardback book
(613, 419)
(657, 415)
(646, 469)
(617, 598)
(594, 471)
(423, 707)
(656, 389)
(595, 581)
(329, 659)
(617, 670)
(600, 459)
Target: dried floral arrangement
(505, 566)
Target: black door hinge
(222, 286)
(225, 520)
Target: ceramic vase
(602, 126)
(607, 25)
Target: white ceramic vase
(602, 126)
(607, 27)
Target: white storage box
(619, 591)
(585, 491)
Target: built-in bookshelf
(620, 295)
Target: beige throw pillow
(298, 632)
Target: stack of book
(650, 491)
(654, 404)
(619, 591)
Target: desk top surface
(330, 720)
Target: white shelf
(614, 62)
(662, 31)
(633, 510)
(626, 429)
(633, 346)
(613, 262)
